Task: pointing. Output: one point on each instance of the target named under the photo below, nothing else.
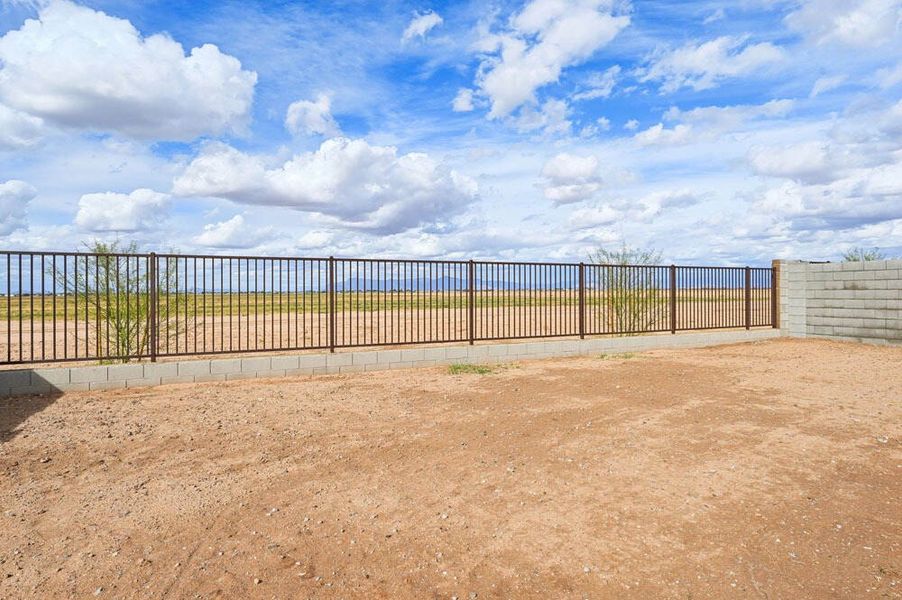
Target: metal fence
(64, 306)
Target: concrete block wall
(857, 301)
(62, 379)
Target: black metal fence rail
(65, 306)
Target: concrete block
(284, 363)
(455, 352)
(193, 368)
(74, 387)
(142, 382)
(434, 353)
(178, 379)
(339, 360)
(116, 384)
(228, 365)
(412, 354)
(258, 363)
(351, 368)
(388, 356)
(241, 375)
(17, 379)
(365, 358)
(123, 372)
(209, 377)
(305, 372)
(311, 361)
(31, 390)
(57, 376)
(271, 374)
(160, 370)
(87, 374)
(495, 350)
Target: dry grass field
(765, 470)
(46, 329)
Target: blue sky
(716, 132)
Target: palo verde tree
(863, 254)
(630, 296)
(113, 285)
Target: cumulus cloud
(703, 66)
(14, 198)
(825, 84)
(81, 68)
(857, 23)
(353, 183)
(420, 25)
(140, 210)
(599, 85)
(589, 217)
(864, 196)
(312, 117)
(232, 233)
(570, 178)
(463, 101)
(543, 39)
(18, 129)
(708, 122)
(551, 118)
(808, 162)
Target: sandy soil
(769, 470)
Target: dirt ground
(769, 470)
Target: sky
(717, 132)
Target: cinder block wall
(81, 378)
(860, 301)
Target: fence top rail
(412, 261)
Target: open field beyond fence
(765, 470)
(59, 307)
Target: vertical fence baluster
(748, 298)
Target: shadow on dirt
(15, 409)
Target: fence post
(673, 299)
(471, 301)
(154, 298)
(748, 298)
(582, 301)
(774, 291)
(331, 303)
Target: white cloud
(599, 85)
(232, 233)
(570, 178)
(352, 183)
(312, 117)
(14, 198)
(594, 216)
(825, 84)
(80, 68)
(658, 134)
(18, 129)
(805, 162)
(420, 25)
(631, 125)
(715, 16)
(140, 210)
(890, 76)
(708, 122)
(543, 39)
(702, 66)
(551, 118)
(857, 23)
(463, 101)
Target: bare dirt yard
(769, 470)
